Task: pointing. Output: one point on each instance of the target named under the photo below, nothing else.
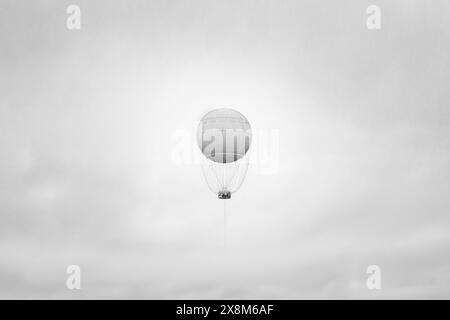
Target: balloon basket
(224, 194)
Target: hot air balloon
(224, 137)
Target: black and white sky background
(86, 140)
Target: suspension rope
(224, 223)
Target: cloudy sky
(362, 163)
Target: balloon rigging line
(216, 172)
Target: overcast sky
(87, 121)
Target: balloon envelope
(224, 135)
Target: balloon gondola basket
(224, 194)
